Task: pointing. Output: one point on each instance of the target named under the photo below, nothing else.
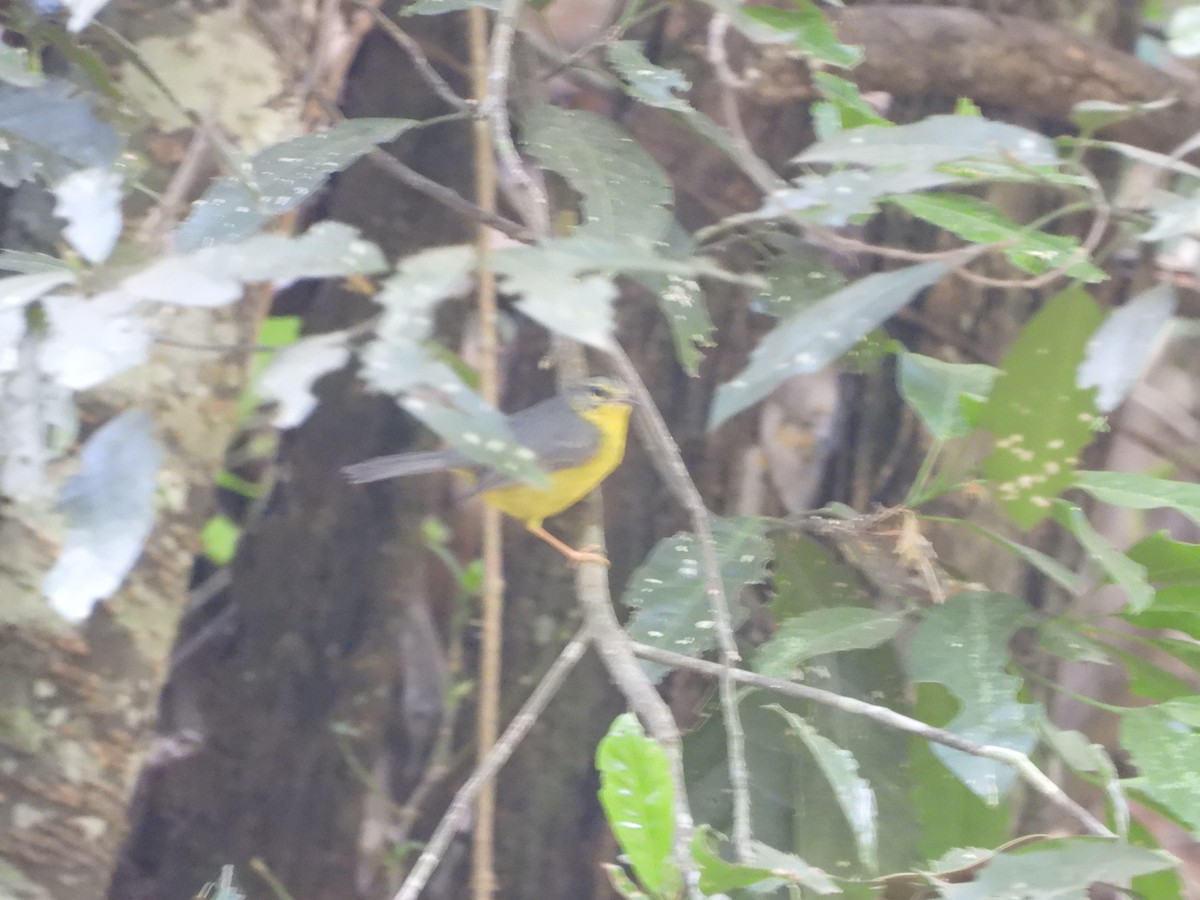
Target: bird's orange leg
(575, 556)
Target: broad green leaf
(50, 130)
(109, 506)
(637, 797)
(1183, 31)
(981, 222)
(792, 870)
(816, 336)
(1163, 885)
(1041, 420)
(1167, 754)
(947, 814)
(1092, 115)
(796, 279)
(682, 303)
(1122, 347)
(1176, 607)
(279, 178)
(718, 875)
(1134, 491)
(1167, 561)
(669, 595)
(1061, 637)
(1059, 868)
(824, 631)
(963, 645)
(807, 578)
(846, 102)
(1124, 572)
(626, 194)
(934, 389)
(1148, 679)
(853, 793)
(214, 276)
(933, 141)
(808, 31)
(844, 196)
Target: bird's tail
(401, 464)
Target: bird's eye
(598, 391)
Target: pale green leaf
(824, 631)
(1123, 346)
(1124, 572)
(934, 389)
(1135, 491)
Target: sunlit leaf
(18, 290)
(638, 800)
(219, 538)
(1041, 419)
(89, 200)
(963, 645)
(816, 337)
(91, 339)
(853, 793)
(289, 377)
(807, 29)
(668, 592)
(1123, 346)
(109, 506)
(214, 276)
(824, 631)
(934, 389)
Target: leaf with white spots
(625, 192)
(1124, 572)
(819, 334)
(822, 631)
(638, 799)
(289, 378)
(1123, 346)
(214, 276)
(854, 795)
(963, 645)
(669, 595)
(279, 178)
(109, 505)
(1040, 417)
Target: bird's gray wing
(558, 436)
(401, 464)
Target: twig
(436, 82)
(483, 876)
(889, 718)
(163, 214)
(460, 807)
(519, 184)
(615, 649)
(674, 471)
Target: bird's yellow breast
(568, 486)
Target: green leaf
(279, 178)
(844, 97)
(219, 538)
(934, 389)
(1124, 572)
(15, 68)
(1047, 565)
(1092, 115)
(1058, 868)
(983, 223)
(28, 263)
(808, 577)
(933, 141)
(1040, 418)
(824, 631)
(214, 276)
(637, 797)
(1122, 347)
(1078, 752)
(815, 337)
(1165, 751)
(853, 793)
(669, 595)
(626, 194)
(716, 874)
(963, 645)
(792, 870)
(809, 31)
(1176, 607)
(796, 279)
(1167, 561)
(1134, 491)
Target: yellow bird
(577, 437)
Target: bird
(577, 438)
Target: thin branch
(446, 196)
(889, 718)
(665, 453)
(460, 807)
(483, 876)
(425, 68)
